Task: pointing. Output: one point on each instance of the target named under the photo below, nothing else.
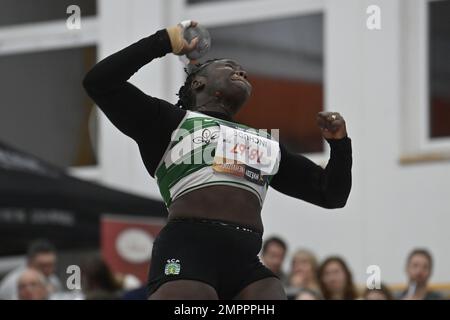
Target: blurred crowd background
(306, 277)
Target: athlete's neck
(216, 109)
(219, 115)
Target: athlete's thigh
(184, 290)
(264, 289)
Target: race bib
(246, 154)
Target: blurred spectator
(308, 294)
(98, 281)
(419, 266)
(304, 271)
(133, 288)
(128, 281)
(336, 281)
(41, 256)
(32, 285)
(140, 293)
(273, 254)
(378, 294)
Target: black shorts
(220, 254)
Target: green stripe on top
(169, 173)
(168, 177)
(203, 154)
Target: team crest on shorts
(173, 267)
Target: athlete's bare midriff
(219, 202)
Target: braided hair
(186, 98)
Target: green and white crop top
(206, 151)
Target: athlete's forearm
(301, 178)
(338, 173)
(113, 71)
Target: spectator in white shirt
(32, 285)
(41, 256)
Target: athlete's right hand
(179, 45)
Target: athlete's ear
(198, 83)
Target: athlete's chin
(243, 86)
(237, 97)
(242, 94)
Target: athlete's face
(227, 80)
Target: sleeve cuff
(163, 42)
(343, 144)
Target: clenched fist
(332, 125)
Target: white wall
(392, 207)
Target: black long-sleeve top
(150, 122)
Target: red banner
(127, 243)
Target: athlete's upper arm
(298, 177)
(133, 112)
(327, 187)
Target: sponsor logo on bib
(245, 154)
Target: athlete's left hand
(332, 125)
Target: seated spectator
(41, 256)
(132, 287)
(128, 281)
(378, 294)
(336, 280)
(419, 266)
(32, 285)
(308, 294)
(304, 271)
(272, 256)
(98, 281)
(140, 293)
